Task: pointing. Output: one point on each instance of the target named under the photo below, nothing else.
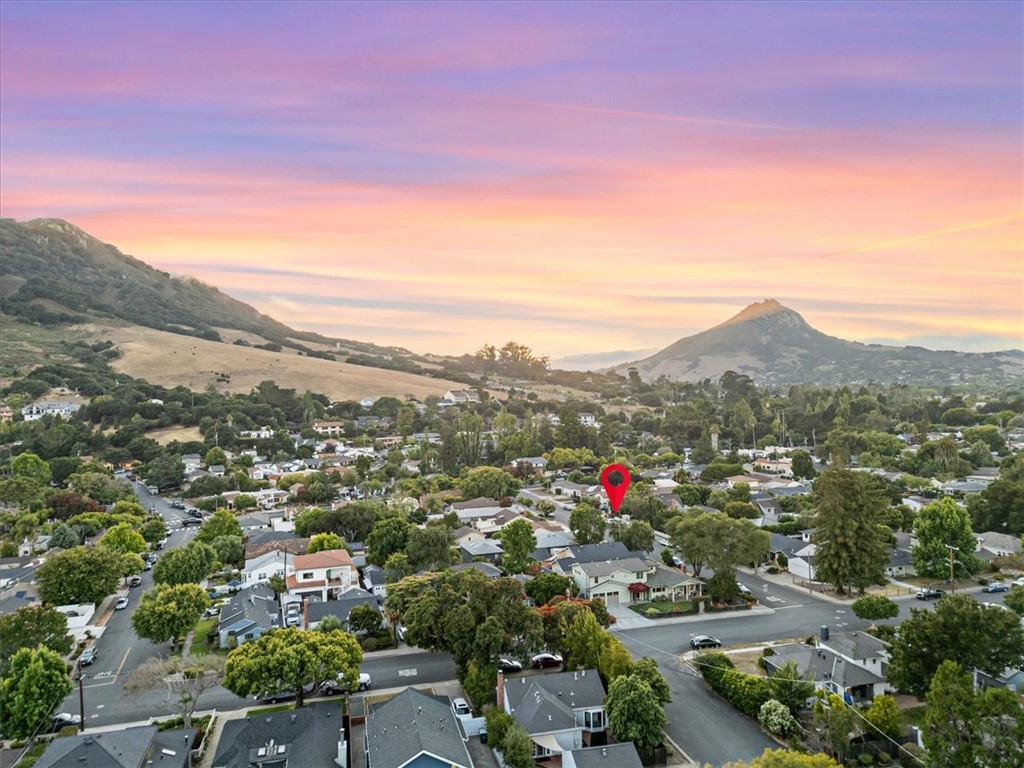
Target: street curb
(689, 760)
(760, 610)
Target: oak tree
(290, 659)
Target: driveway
(627, 619)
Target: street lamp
(81, 697)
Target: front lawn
(203, 628)
(678, 607)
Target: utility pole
(952, 583)
(81, 699)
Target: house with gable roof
(326, 574)
(849, 664)
(247, 615)
(414, 730)
(309, 736)
(128, 748)
(561, 712)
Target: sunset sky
(583, 178)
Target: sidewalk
(628, 622)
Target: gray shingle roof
(545, 703)
(632, 564)
(114, 749)
(310, 736)
(610, 756)
(486, 569)
(411, 724)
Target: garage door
(611, 598)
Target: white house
(61, 408)
(325, 574)
(632, 580)
(258, 570)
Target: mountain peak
(756, 310)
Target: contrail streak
(928, 235)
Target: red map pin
(615, 479)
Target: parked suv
(929, 594)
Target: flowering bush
(774, 717)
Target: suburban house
(330, 428)
(850, 664)
(562, 560)
(247, 615)
(1011, 678)
(535, 462)
(259, 569)
(561, 712)
(992, 545)
(325, 574)
(417, 730)
(622, 755)
(633, 580)
(488, 549)
(460, 396)
(192, 462)
(340, 608)
(310, 736)
(133, 747)
(801, 562)
(465, 534)
(487, 569)
(62, 409)
(374, 582)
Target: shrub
(766, 652)
(865, 758)
(773, 570)
(775, 718)
(982, 580)
(882, 758)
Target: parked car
(542, 660)
(64, 719)
(509, 665)
(88, 656)
(147, 566)
(997, 586)
(677, 561)
(743, 588)
(704, 641)
(273, 698)
(929, 594)
(213, 610)
(196, 513)
(177, 504)
(1019, 582)
(461, 707)
(153, 489)
(135, 581)
(121, 604)
(333, 687)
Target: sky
(594, 180)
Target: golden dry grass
(170, 359)
(181, 434)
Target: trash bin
(483, 737)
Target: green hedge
(745, 692)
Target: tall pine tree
(852, 541)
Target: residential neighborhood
(353, 532)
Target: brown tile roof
(328, 558)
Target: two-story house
(325, 574)
(561, 712)
(259, 569)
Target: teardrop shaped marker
(615, 479)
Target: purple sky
(579, 177)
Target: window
(307, 576)
(593, 719)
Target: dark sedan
(542, 660)
(704, 641)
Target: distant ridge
(775, 345)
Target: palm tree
(946, 452)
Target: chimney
(305, 614)
(501, 691)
